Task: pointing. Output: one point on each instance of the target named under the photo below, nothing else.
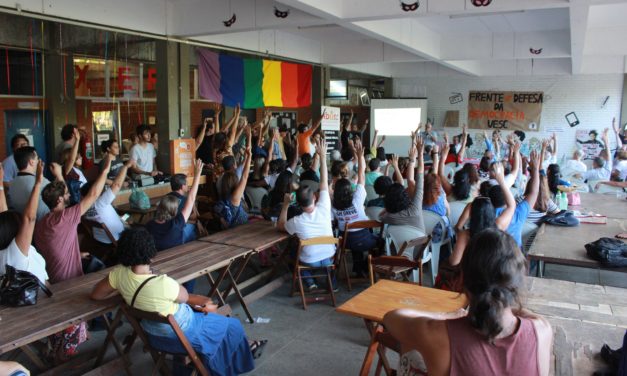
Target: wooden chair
(134, 317)
(394, 266)
(343, 264)
(319, 271)
(379, 342)
(102, 250)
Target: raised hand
(446, 138)
(420, 145)
(413, 152)
(321, 148)
(359, 149)
(383, 138)
(394, 161)
(56, 169)
(445, 148)
(198, 165)
(499, 172)
(614, 126)
(39, 175)
(287, 199)
(534, 160)
(545, 144)
(76, 134)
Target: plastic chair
(254, 195)
(399, 234)
(457, 208)
(298, 268)
(370, 193)
(373, 212)
(393, 266)
(449, 171)
(431, 220)
(343, 264)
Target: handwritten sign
(182, 154)
(505, 110)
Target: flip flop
(256, 348)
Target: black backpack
(609, 252)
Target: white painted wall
(583, 94)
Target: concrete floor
(318, 341)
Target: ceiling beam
(579, 11)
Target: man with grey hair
(575, 165)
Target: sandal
(256, 348)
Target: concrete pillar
(317, 91)
(173, 104)
(61, 102)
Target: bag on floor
(20, 288)
(609, 252)
(139, 200)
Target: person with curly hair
(220, 341)
(496, 336)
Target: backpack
(565, 218)
(608, 251)
(139, 200)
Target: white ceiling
(377, 36)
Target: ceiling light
(482, 14)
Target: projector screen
(396, 119)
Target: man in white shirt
(103, 211)
(144, 154)
(575, 165)
(10, 168)
(314, 222)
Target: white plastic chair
(457, 208)
(431, 220)
(254, 195)
(373, 212)
(398, 234)
(449, 171)
(370, 193)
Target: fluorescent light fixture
(482, 14)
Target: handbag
(565, 218)
(20, 288)
(574, 199)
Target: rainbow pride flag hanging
(252, 83)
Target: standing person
(204, 137)
(112, 147)
(56, 238)
(304, 133)
(348, 207)
(26, 159)
(144, 155)
(496, 336)
(315, 221)
(168, 226)
(9, 165)
(223, 144)
(220, 341)
(69, 139)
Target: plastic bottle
(563, 201)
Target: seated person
(113, 148)
(544, 204)
(180, 190)
(601, 165)
(9, 165)
(554, 179)
(434, 200)
(404, 206)
(374, 171)
(575, 165)
(26, 159)
(168, 226)
(272, 203)
(144, 155)
(310, 167)
(381, 186)
(103, 211)
(495, 336)
(461, 189)
(348, 207)
(16, 233)
(315, 221)
(230, 207)
(220, 341)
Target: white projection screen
(396, 119)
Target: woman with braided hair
(495, 336)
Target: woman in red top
(496, 336)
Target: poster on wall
(285, 118)
(330, 126)
(451, 119)
(588, 141)
(508, 110)
(182, 154)
(105, 128)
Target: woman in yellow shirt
(220, 341)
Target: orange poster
(182, 154)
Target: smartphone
(125, 217)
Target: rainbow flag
(252, 83)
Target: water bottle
(563, 201)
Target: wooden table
(384, 296)
(583, 318)
(566, 245)
(605, 204)
(126, 208)
(258, 235)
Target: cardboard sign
(182, 155)
(451, 119)
(330, 126)
(505, 110)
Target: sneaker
(336, 289)
(312, 287)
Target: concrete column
(173, 104)
(61, 102)
(317, 91)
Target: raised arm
(503, 220)
(238, 193)
(350, 120)
(201, 136)
(294, 161)
(361, 163)
(266, 164)
(398, 177)
(321, 149)
(96, 189)
(3, 199)
(413, 153)
(605, 153)
(554, 139)
(517, 160)
(619, 142)
(216, 119)
(373, 144)
(233, 126)
(313, 129)
(287, 199)
(24, 236)
(186, 211)
(119, 180)
(534, 164)
(435, 157)
(443, 155)
(57, 171)
(69, 163)
(545, 144)
(462, 151)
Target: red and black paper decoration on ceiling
(481, 3)
(281, 13)
(535, 52)
(230, 21)
(410, 7)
